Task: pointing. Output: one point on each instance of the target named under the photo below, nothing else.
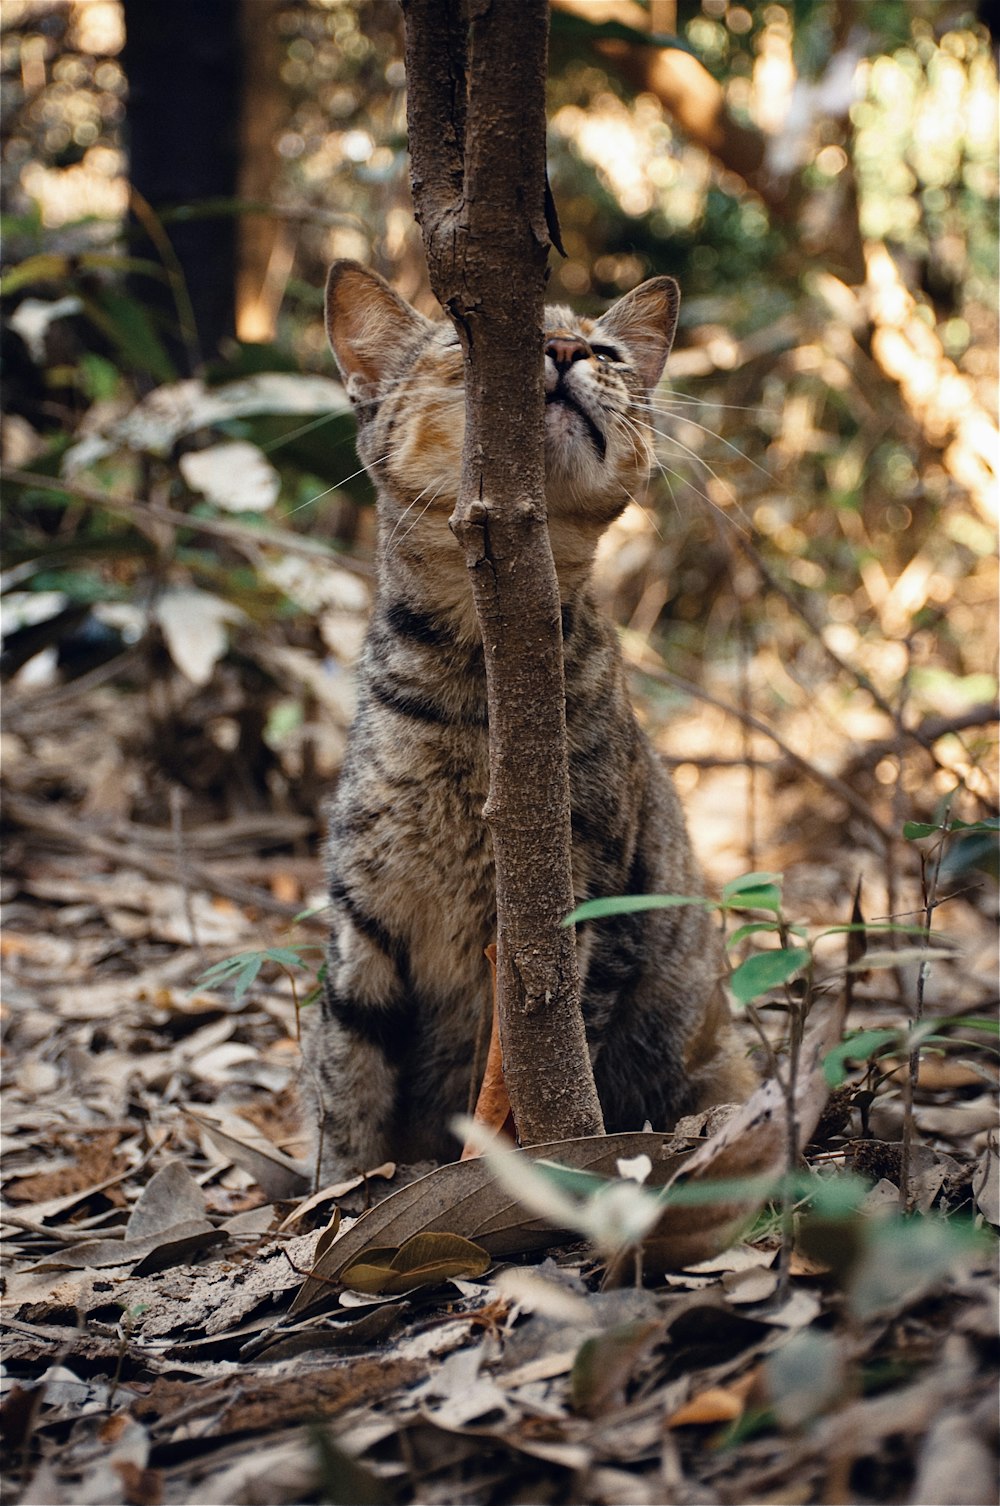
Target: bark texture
(476, 111)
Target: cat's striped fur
(390, 1051)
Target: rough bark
(476, 110)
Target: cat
(390, 1049)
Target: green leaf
(913, 831)
(856, 1048)
(628, 904)
(884, 927)
(753, 891)
(126, 322)
(972, 1022)
(289, 956)
(47, 266)
(766, 970)
(752, 926)
(241, 970)
(759, 880)
(904, 1257)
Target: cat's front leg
(354, 1050)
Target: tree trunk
(265, 246)
(476, 111)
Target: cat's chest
(431, 855)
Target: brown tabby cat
(390, 1055)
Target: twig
(53, 822)
(930, 730)
(913, 1070)
(240, 534)
(908, 734)
(830, 782)
(181, 859)
(42, 700)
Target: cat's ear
(645, 321)
(366, 324)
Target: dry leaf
(424, 1260)
(234, 475)
(717, 1404)
(463, 1198)
(169, 1197)
(277, 1175)
(493, 1109)
(193, 627)
(605, 1364)
(751, 1145)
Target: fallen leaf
(278, 1176)
(605, 1364)
(169, 1197)
(493, 1110)
(463, 1198)
(716, 1404)
(751, 1146)
(987, 1184)
(193, 627)
(424, 1260)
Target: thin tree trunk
(476, 109)
(265, 246)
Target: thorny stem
(929, 894)
(180, 856)
(798, 1010)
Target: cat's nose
(563, 350)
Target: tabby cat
(390, 1051)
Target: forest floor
(158, 1223)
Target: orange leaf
(714, 1405)
(493, 1105)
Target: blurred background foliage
(187, 539)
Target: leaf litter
(186, 1320)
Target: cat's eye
(604, 354)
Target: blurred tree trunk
(265, 246)
(183, 61)
(476, 107)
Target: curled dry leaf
(275, 1173)
(424, 1260)
(236, 476)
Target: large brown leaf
(463, 1198)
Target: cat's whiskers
(315, 423)
(666, 472)
(359, 472)
(699, 460)
(657, 401)
(641, 448)
(406, 513)
(713, 435)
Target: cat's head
(404, 374)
